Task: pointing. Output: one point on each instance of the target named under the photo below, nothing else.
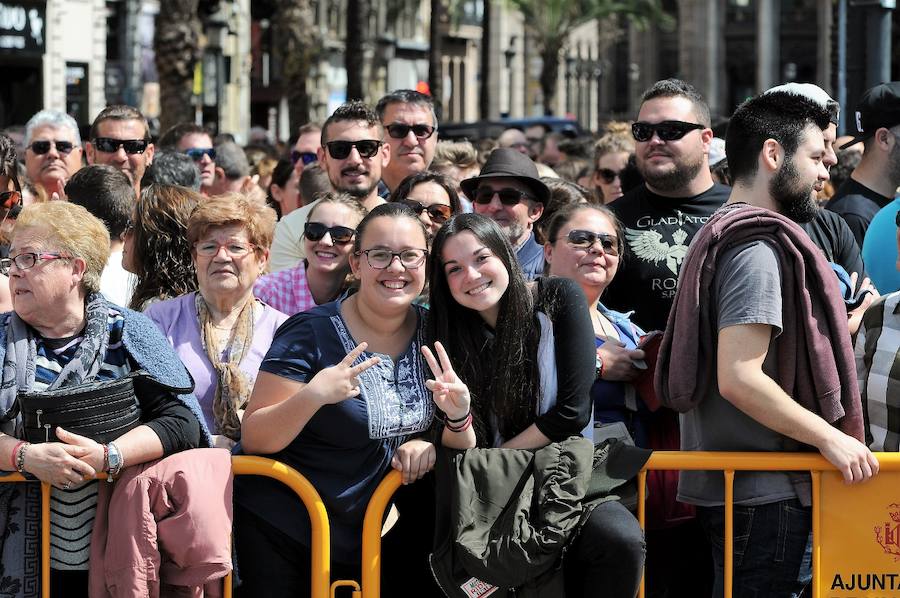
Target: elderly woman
(222, 332)
(430, 195)
(62, 333)
(156, 246)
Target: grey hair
(231, 158)
(172, 168)
(406, 96)
(53, 118)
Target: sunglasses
(508, 196)
(340, 235)
(585, 239)
(608, 175)
(42, 147)
(668, 130)
(438, 212)
(399, 130)
(306, 157)
(196, 153)
(10, 199)
(339, 150)
(108, 145)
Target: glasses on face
(668, 130)
(234, 249)
(585, 239)
(438, 212)
(306, 157)
(608, 175)
(382, 258)
(508, 195)
(399, 130)
(340, 235)
(26, 261)
(108, 145)
(196, 153)
(339, 150)
(42, 147)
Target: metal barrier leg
(816, 526)
(371, 541)
(729, 532)
(642, 519)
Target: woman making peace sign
(341, 397)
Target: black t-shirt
(657, 233)
(833, 236)
(857, 204)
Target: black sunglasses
(437, 211)
(306, 157)
(340, 235)
(109, 145)
(508, 195)
(585, 239)
(608, 175)
(196, 153)
(668, 130)
(339, 150)
(42, 147)
(399, 130)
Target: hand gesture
(450, 394)
(339, 382)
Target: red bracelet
(462, 428)
(12, 458)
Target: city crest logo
(888, 535)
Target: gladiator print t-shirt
(658, 231)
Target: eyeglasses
(26, 261)
(668, 130)
(608, 175)
(585, 239)
(438, 212)
(508, 195)
(234, 249)
(399, 130)
(196, 153)
(306, 157)
(109, 145)
(340, 235)
(382, 258)
(339, 150)
(42, 147)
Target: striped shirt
(72, 511)
(878, 371)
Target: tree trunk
(297, 43)
(484, 91)
(354, 60)
(176, 43)
(435, 51)
(550, 51)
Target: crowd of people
(366, 297)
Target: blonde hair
(616, 139)
(72, 230)
(342, 199)
(233, 208)
(460, 154)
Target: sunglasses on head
(608, 175)
(399, 130)
(585, 239)
(508, 195)
(196, 153)
(667, 130)
(339, 150)
(109, 145)
(306, 157)
(340, 235)
(438, 212)
(42, 147)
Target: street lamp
(510, 55)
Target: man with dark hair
(313, 182)
(120, 137)
(354, 155)
(778, 372)
(172, 168)
(107, 193)
(411, 124)
(305, 150)
(196, 142)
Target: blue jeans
(770, 543)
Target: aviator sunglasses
(668, 130)
(339, 150)
(108, 145)
(340, 235)
(585, 239)
(438, 212)
(42, 147)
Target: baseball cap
(879, 107)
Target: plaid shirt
(286, 290)
(878, 371)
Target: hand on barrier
(852, 458)
(60, 464)
(618, 362)
(339, 383)
(451, 395)
(413, 459)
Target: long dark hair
(500, 371)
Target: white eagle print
(648, 245)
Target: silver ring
(66, 486)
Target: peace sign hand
(339, 382)
(451, 395)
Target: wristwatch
(113, 461)
(599, 367)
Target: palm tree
(354, 54)
(297, 44)
(484, 98)
(176, 43)
(435, 50)
(552, 21)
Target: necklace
(602, 326)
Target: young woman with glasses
(342, 397)
(322, 275)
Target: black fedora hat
(508, 163)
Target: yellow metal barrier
(728, 463)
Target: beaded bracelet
(20, 457)
(12, 456)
